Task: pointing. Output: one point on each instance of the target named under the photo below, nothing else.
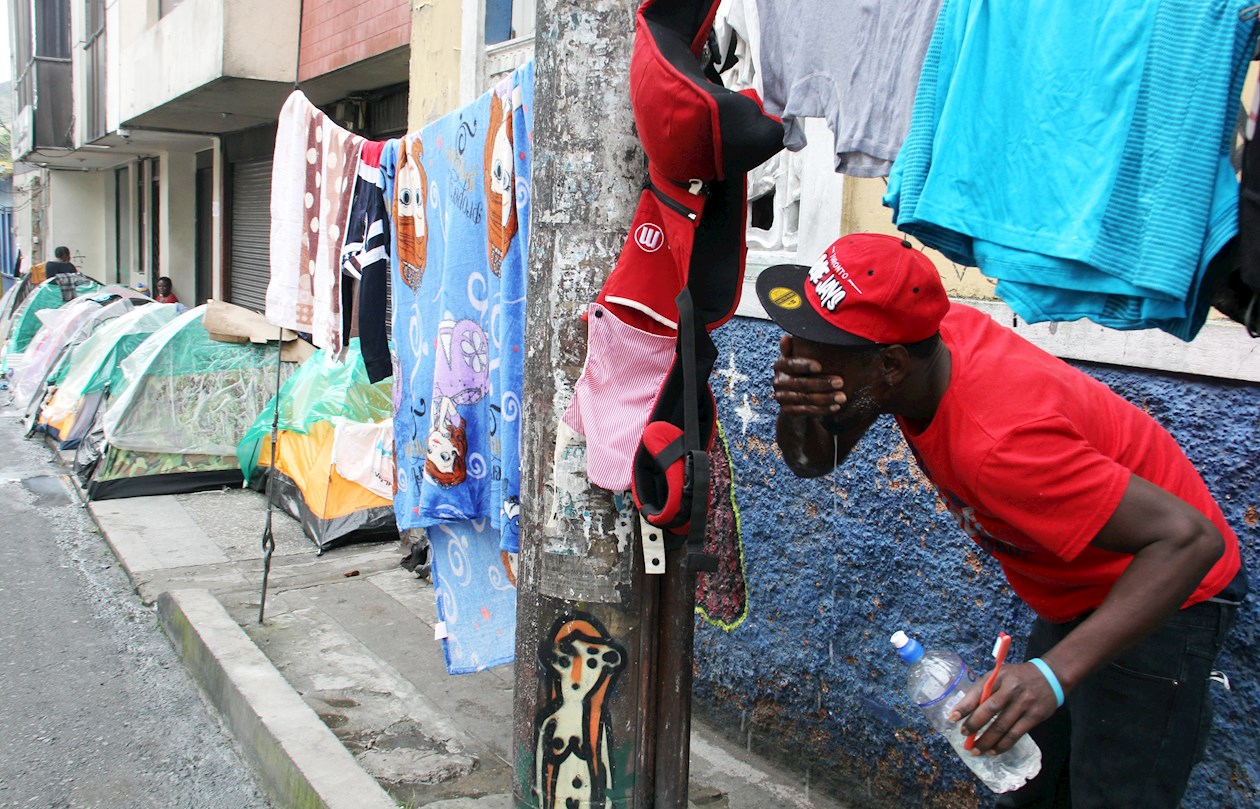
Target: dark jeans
(1130, 733)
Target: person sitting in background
(164, 293)
(61, 264)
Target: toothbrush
(1000, 648)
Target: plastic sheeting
(96, 365)
(26, 321)
(11, 304)
(364, 454)
(323, 389)
(63, 330)
(184, 393)
(324, 403)
(21, 317)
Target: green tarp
(96, 365)
(322, 389)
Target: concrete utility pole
(588, 683)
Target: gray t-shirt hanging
(854, 63)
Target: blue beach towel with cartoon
(458, 283)
(510, 370)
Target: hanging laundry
(364, 454)
(365, 260)
(511, 371)
(312, 178)
(476, 601)
(458, 258)
(1078, 152)
(854, 63)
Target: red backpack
(683, 264)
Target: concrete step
(370, 711)
(300, 762)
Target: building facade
(147, 127)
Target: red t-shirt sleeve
(1048, 482)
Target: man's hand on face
(801, 388)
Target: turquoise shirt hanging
(1077, 152)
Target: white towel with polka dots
(312, 178)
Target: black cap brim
(781, 290)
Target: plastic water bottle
(938, 681)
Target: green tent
(186, 402)
(45, 296)
(329, 414)
(94, 369)
(20, 327)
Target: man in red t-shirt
(1099, 521)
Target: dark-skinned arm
(1173, 548)
(811, 439)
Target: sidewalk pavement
(341, 699)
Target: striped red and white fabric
(613, 397)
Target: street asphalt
(98, 709)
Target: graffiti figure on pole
(572, 764)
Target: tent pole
(268, 539)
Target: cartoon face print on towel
(456, 476)
(454, 202)
(519, 91)
(312, 178)
(406, 192)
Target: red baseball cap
(866, 289)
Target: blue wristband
(1048, 673)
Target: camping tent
(63, 330)
(95, 370)
(25, 321)
(334, 451)
(48, 295)
(11, 303)
(186, 402)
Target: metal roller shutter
(251, 234)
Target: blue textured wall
(835, 565)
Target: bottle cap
(907, 647)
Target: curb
(300, 762)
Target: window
(508, 19)
(52, 28)
(94, 59)
(23, 37)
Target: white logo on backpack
(650, 237)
